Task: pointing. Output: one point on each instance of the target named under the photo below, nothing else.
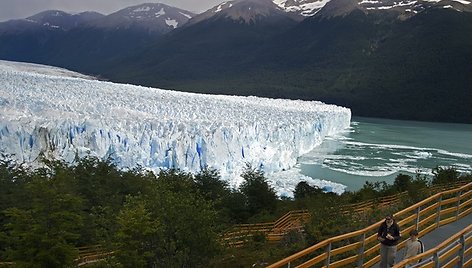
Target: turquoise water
(379, 149)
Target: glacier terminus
(59, 114)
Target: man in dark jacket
(388, 235)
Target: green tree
(260, 196)
(445, 175)
(416, 187)
(190, 226)
(138, 237)
(402, 182)
(45, 233)
(209, 183)
(235, 207)
(304, 190)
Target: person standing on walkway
(388, 235)
(413, 245)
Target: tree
(234, 206)
(304, 190)
(190, 226)
(402, 182)
(260, 196)
(138, 237)
(45, 233)
(209, 183)
(13, 180)
(416, 186)
(445, 175)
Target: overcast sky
(14, 9)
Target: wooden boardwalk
(439, 235)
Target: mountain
(28, 39)
(380, 63)
(382, 58)
(153, 17)
(62, 20)
(48, 20)
(86, 41)
(218, 42)
(403, 60)
(302, 7)
(403, 9)
(246, 11)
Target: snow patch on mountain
(161, 12)
(302, 7)
(222, 6)
(413, 6)
(153, 17)
(462, 2)
(143, 9)
(186, 15)
(172, 22)
(64, 115)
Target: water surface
(379, 149)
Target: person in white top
(413, 245)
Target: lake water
(379, 149)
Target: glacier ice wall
(65, 115)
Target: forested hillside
(172, 219)
(375, 64)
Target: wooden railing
(454, 252)
(361, 248)
(92, 254)
(295, 220)
(273, 231)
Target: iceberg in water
(64, 115)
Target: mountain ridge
(382, 58)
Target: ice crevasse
(64, 115)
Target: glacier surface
(64, 115)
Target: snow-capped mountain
(302, 7)
(154, 17)
(86, 41)
(62, 20)
(311, 7)
(415, 6)
(60, 114)
(247, 11)
(52, 20)
(404, 8)
(334, 55)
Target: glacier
(60, 114)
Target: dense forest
(169, 219)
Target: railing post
(328, 252)
(436, 260)
(438, 212)
(462, 250)
(360, 252)
(459, 193)
(417, 223)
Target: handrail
(425, 216)
(295, 219)
(455, 245)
